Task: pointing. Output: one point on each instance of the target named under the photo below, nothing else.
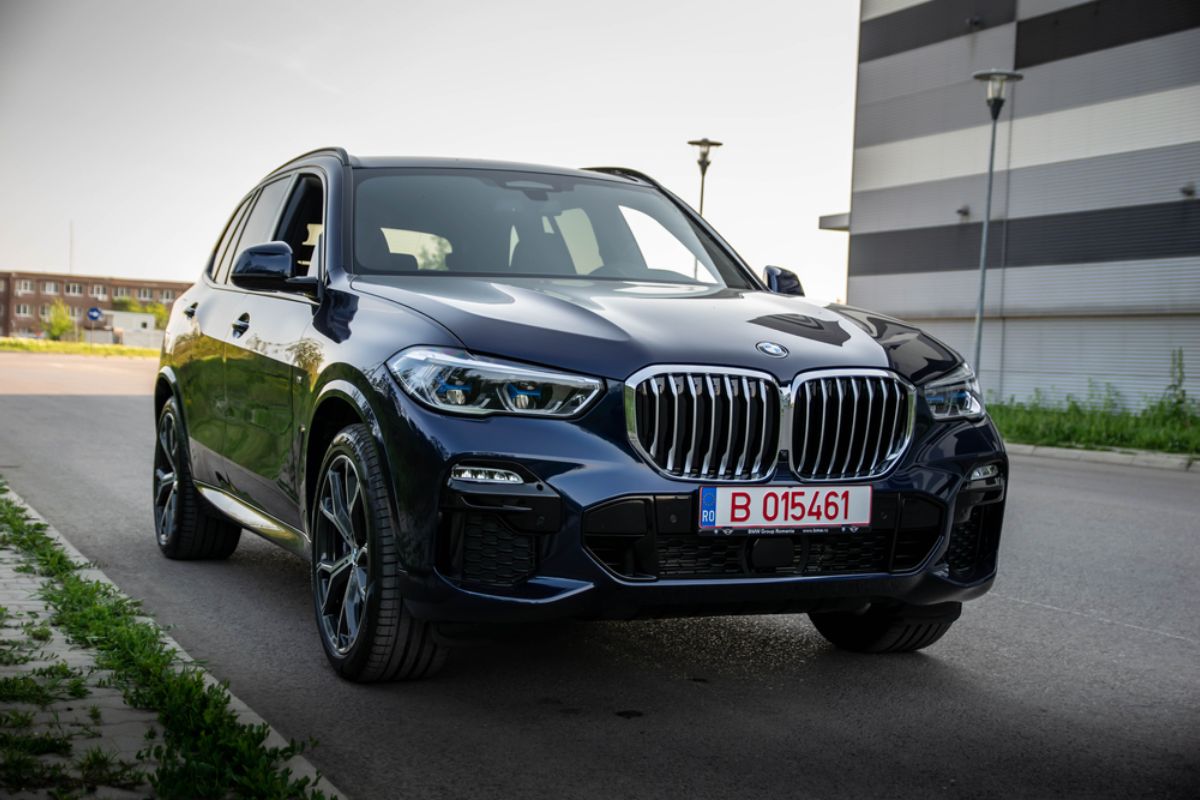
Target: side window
(220, 257)
(261, 221)
(303, 221)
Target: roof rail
(626, 172)
(337, 152)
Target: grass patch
(21, 345)
(44, 686)
(35, 744)
(204, 750)
(99, 768)
(1170, 424)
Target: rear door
(263, 352)
(198, 355)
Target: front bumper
(595, 532)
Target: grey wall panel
(1140, 68)
(946, 108)
(878, 8)
(1116, 287)
(1035, 8)
(1078, 356)
(1124, 179)
(934, 21)
(1159, 231)
(936, 65)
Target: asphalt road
(1078, 676)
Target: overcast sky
(144, 122)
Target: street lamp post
(705, 145)
(996, 80)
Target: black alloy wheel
(343, 555)
(186, 527)
(366, 629)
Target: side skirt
(252, 519)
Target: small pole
(996, 80)
(705, 145)
(71, 247)
(983, 244)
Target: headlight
(458, 382)
(954, 396)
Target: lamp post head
(705, 145)
(996, 80)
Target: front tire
(366, 630)
(185, 525)
(887, 629)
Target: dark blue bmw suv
(476, 392)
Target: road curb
(1131, 458)
(301, 767)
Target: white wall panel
(1168, 286)
(1077, 355)
(1159, 119)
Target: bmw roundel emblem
(772, 349)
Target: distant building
(26, 297)
(1094, 265)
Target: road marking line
(1095, 617)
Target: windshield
(527, 224)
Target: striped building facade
(1094, 250)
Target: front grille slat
(712, 425)
(762, 441)
(895, 424)
(687, 466)
(804, 447)
(824, 416)
(745, 384)
(837, 426)
(867, 430)
(657, 416)
(675, 425)
(883, 401)
(853, 426)
(867, 437)
(729, 413)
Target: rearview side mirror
(268, 267)
(782, 281)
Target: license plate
(777, 509)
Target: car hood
(614, 328)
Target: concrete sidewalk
(55, 698)
(1129, 458)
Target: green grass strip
(205, 751)
(1163, 426)
(22, 345)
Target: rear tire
(366, 629)
(185, 525)
(887, 629)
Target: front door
(263, 362)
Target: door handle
(190, 311)
(241, 325)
